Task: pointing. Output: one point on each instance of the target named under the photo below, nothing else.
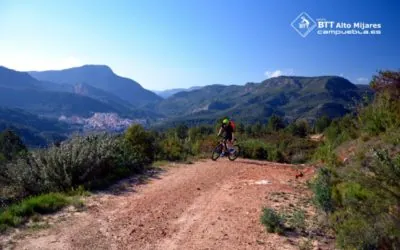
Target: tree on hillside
(240, 128)
(182, 131)
(384, 112)
(299, 128)
(322, 123)
(11, 145)
(195, 133)
(387, 81)
(275, 123)
(141, 142)
(249, 130)
(257, 128)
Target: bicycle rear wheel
(216, 152)
(235, 154)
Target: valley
(92, 97)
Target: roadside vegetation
(357, 188)
(277, 140)
(31, 181)
(21, 212)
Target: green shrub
(273, 222)
(173, 149)
(325, 153)
(141, 143)
(298, 158)
(322, 123)
(299, 129)
(195, 148)
(362, 197)
(342, 130)
(298, 220)
(356, 233)
(207, 144)
(383, 113)
(306, 245)
(275, 123)
(256, 149)
(376, 120)
(11, 145)
(349, 194)
(297, 150)
(275, 155)
(387, 168)
(79, 161)
(42, 204)
(78, 191)
(366, 201)
(198, 133)
(182, 131)
(322, 188)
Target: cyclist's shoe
(222, 154)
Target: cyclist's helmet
(225, 121)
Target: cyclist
(228, 129)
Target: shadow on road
(129, 184)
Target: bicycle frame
(223, 143)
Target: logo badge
(303, 24)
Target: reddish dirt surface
(205, 205)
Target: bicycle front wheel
(235, 154)
(216, 152)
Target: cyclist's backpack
(232, 124)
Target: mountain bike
(233, 153)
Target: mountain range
(34, 130)
(292, 97)
(52, 99)
(96, 89)
(100, 77)
(170, 92)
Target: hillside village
(102, 121)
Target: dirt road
(205, 205)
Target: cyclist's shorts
(228, 136)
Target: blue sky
(181, 43)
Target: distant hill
(20, 90)
(169, 92)
(54, 103)
(365, 87)
(100, 77)
(83, 89)
(34, 131)
(17, 80)
(289, 96)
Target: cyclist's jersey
(228, 130)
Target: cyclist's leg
(228, 140)
(225, 148)
(223, 144)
